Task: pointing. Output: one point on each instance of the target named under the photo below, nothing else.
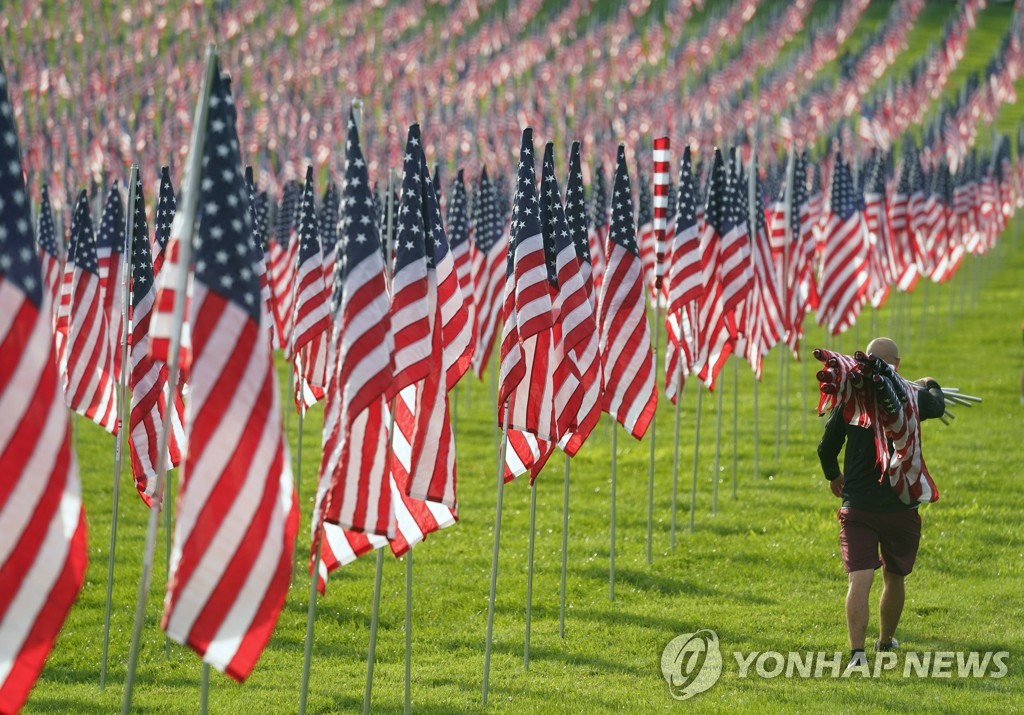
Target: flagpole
(718, 447)
(185, 227)
(565, 550)
(654, 425)
(735, 419)
(407, 707)
(204, 688)
(122, 388)
(307, 655)
(374, 620)
(494, 557)
(529, 574)
(675, 456)
(696, 446)
(611, 554)
(788, 211)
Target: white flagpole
(653, 430)
(611, 554)
(374, 619)
(494, 557)
(407, 708)
(184, 229)
(788, 210)
(718, 448)
(675, 457)
(696, 451)
(735, 420)
(122, 388)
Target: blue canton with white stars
(142, 255)
(686, 204)
(112, 222)
(82, 249)
(556, 231)
(166, 206)
(457, 215)
(576, 205)
(623, 231)
(47, 230)
(525, 209)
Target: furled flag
(258, 212)
(878, 233)
(281, 263)
(800, 290)
(86, 364)
(42, 523)
(146, 377)
(598, 235)
(716, 324)
(165, 209)
(432, 470)
(353, 489)
(844, 270)
(902, 236)
(488, 261)
(645, 235)
(49, 250)
(580, 328)
(311, 312)
(683, 276)
(457, 229)
(328, 221)
(525, 387)
(570, 309)
(237, 515)
(630, 395)
(110, 254)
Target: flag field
(764, 573)
(762, 570)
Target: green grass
(763, 572)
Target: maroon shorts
(863, 535)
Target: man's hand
(836, 485)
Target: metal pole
(494, 556)
(374, 620)
(654, 425)
(529, 574)
(788, 206)
(735, 419)
(565, 550)
(407, 708)
(757, 438)
(307, 655)
(184, 231)
(611, 554)
(675, 461)
(204, 688)
(696, 446)
(122, 388)
(718, 448)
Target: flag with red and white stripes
(353, 489)
(237, 515)
(166, 265)
(844, 270)
(311, 313)
(50, 255)
(86, 363)
(580, 324)
(457, 229)
(147, 378)
(630, 393)
(490, 248)
(43, 553)
(645, 236)
(110, 254)
(599, 226)
(683, 281)
(281, 263)
(660, 201)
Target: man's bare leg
(890, 607)
(857, 607)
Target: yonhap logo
(691, 663)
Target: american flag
(147, 378)
(258, 212)
(43, 544)
(800, 291)
(411, 316)
(86, 365)
(630, 395)
(580, 326)
(237, 515)
(645, 235)
(165, 209)
(844, 270)
(311, 312)
(458, 230)
(50, 255)
(716, 334)
(488, 260)
(282, 261)
(882, 261)
(329, 233)
(432, 472)
(684, 285)
(353, 486)
(524, 381)
(902, 236)
(110, 254)
(598, 234)
(662, 184)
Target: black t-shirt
(863, 486)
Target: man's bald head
(886, 349)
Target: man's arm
(930, 401)
(831, 444)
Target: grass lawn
(763, 571)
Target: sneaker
(858, 661)
(891, 645)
